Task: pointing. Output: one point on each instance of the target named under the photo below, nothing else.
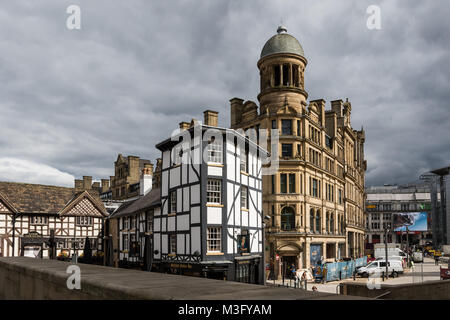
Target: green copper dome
(282, 43)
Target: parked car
(417, 256)
(379, 266)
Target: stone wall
(429, 290)
(28, 278)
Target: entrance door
(287, 262)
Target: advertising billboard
(415, 221)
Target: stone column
(324, 250)
(336, 249)
(306, 254)
(307, 218)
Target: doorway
(286, 263)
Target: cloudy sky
(71, 100)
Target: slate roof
(151, 199)
(30, 198)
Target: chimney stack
(184, 125)
(78, 185)
(145, 183)
(87, 182)
(105, 185)
(96, 185)
(210, 118)
(336, 106)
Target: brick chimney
(105, 185)
(87, 182)
(210, 118)
(145, 182)
(78, 185)
(184, 125)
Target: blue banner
(344, 269)
(315, 253)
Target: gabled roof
(84, 204)
(27, 198)
(150, 200)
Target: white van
(379, 266)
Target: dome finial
(281, 29)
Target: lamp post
(407, 246)
(386, 249)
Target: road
(426, 271)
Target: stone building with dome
(316, 199)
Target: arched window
(318, 222)
(287, 218)
(311, 220)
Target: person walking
(292, 269)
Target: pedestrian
(324, 273)
(436, 260)
(314, 288)
(292, 271)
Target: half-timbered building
(135, 224)
(210, 222)
(31, 213)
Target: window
(277, 74)
(84, 221)
(215, 151)
(173, 202)
(311, 220)
(273, 216)
(214, 191)
(332, 223)
(287, 218)
(286, 127)
(404, 207)
(133, 223)
(177, 153)
(38, 220)
(125, 223)
(298, 127)
(125, 243)
(286, 150)
(286, 75)
(340, 196)
(149, 225)
(314, 192)
(283, 183)
(214, 239)
(274, 124)
(273, 184)
(244, 197)
(292, 183)
(295, 75)
(244, 162)
(173, 244)
(318, 222)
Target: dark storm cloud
(71, 100)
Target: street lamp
(263, 262)
(386, 248)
